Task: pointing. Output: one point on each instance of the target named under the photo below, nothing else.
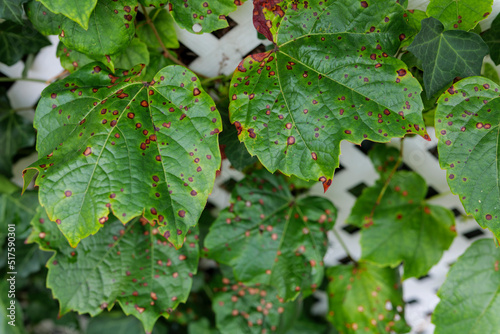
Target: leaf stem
(7, 79)
(389, 178)
(166, 53)
(344, 246)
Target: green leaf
(447, 54)
(164, 25)
(467, 128)
(12, 10)
(327, 80)
(413, 18)
(201, 326)
(72, 60)
(365, 298)
(156, 63)
(384, 159)
(459, 14)
(19, 40)
(403, 226)
(76, 10)
(11, 320)
(288, 236)
(234, 150)
(43, 19)
(133, 265)
(135, 54)
(470, 297)
(242, 309)
(15, 132)
(109, 142)
(115, 322)
(490, 72)
(209, 14)
(111, 28)
(490, 36)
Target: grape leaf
(164, 25)
(111, 28)
(138, 148)
(413, 18)
(364, 298)
(288, 236)
(76, 10)
(470, 297)
(447, 54)
(247, 309)
(326, 80)
(15, 132)
(467, 128)
(19, 40)
(43, 19)
(133, 265)
(462, 14)
(490, 36)
(72, 60)
(135, 54)
(403, 227)
(384, 159)
(12, 10)
(209, 14)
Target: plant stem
(6, 79)
(344, 246)
(166, 53)
(389, 178)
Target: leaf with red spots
(327, 80)
(384, 159)
(107, 142)
(133, 265)
(470, 297)
(111, 28)
(207, 15)
(287, 235)
(403, 227)
(365, 298)
(467, 123)
(250, 309)
(76, 10)
(447, 54)
(413, 18)
(463, 14)
(43, 19)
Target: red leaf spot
(364, 4)
(182, 214)
(68, 193)
(87, 151)
(488, 217)
(196, 92)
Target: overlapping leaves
(327, 80)
(490, 36)
(467, 126)
(107, 142)
(402, 226)
(365, 298)
(76, 10)
(447, 54)
(19, 40)
(12, 10)
(133, 265)
(287, 236)
(470, 297)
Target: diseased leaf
(108, 142)
(467, 124)
(133, 265)
(288, 236)
(459, 14)
(403, 227)
(243, 309)
(12, 10)
(164, 25)
(76, 10)
(135, 54)
(209, 14)
(156, 63)
(19, 40)
(43, 19)
(491, 37)
(447, 54)
(72, 60)
(384, 159)
(111, 28)
(15, 132)
(470, 297)
(366, 299)
(413, 18)
(327, 80)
